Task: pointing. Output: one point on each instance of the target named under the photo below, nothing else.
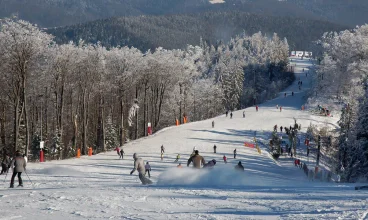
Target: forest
(177, 31)
(342, 79)
(80, 95)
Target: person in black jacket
(239, 166)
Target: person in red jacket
(225, 159)
(118, 151)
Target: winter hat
(17, 153)
(135, 156)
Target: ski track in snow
(100, 187)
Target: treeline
(177, 31)
(85, 95)
(342, 76)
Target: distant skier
(225, 159)
(280, 108)
(162, 149)
(285, 94)
(214, 148)
(177, 158)
(5, 164)
(275, 128)
(197, 160)
(308, 151)
(140, 167)
(213, 124)
(277, 106)
(256, 108)
(118, 151)
(148, 169)
(239, 166)
(281, 129)
(227, 112)
(235, 154)
(122, 153)
(210, 164)
(243, 114)
(231, 115)
(19, 166)
(292, 93)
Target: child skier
(148, 169)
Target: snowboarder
(122, 153)
(281, 129)
(256, 108)
(231, 115)
(239, 166)
(213, 124)
(214, 148)
(140, 167)
(148, 169)
(177, 158)
(162, 149)
(19, 165)
(280, 108)
(5, 164)
(197, 160)
(235, 154)
(225, 159)
(210, 164)
(243, 114)
(179, 166)
(227, 112)
(118, 151)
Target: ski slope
(100, 187)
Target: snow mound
(56, 171)
(217, 177)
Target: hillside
(176, 31)
(55, 13)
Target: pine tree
(57, 145)
(111, 134)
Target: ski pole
(29, 179)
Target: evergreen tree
(111, 134)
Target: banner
(246, 144)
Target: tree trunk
(2, 128)
(122, 139)
(84, 109)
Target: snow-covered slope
(100, 187)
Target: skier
(231, 115)
(177, 158)
(162, 149)
(225, 159)
(214, 148)
(140, 167)
(239, 166)
(227, 112)
(5, 164)
(118, 151)
(256, 108)
(285, 94)
(197, 160)
(179, 166)
(122, 153)
(275, 128)
(277, 106)
(280, 108)
(210, 164)
(148, 169)
(235, 154)
(243, 114)
(308, 151)
(213, 124)
(281, 129)
(292, 93)
(303, 69)
(19, 165)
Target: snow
(100, 187)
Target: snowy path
(100, 187)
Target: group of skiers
(18, 164)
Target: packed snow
(100, 187)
